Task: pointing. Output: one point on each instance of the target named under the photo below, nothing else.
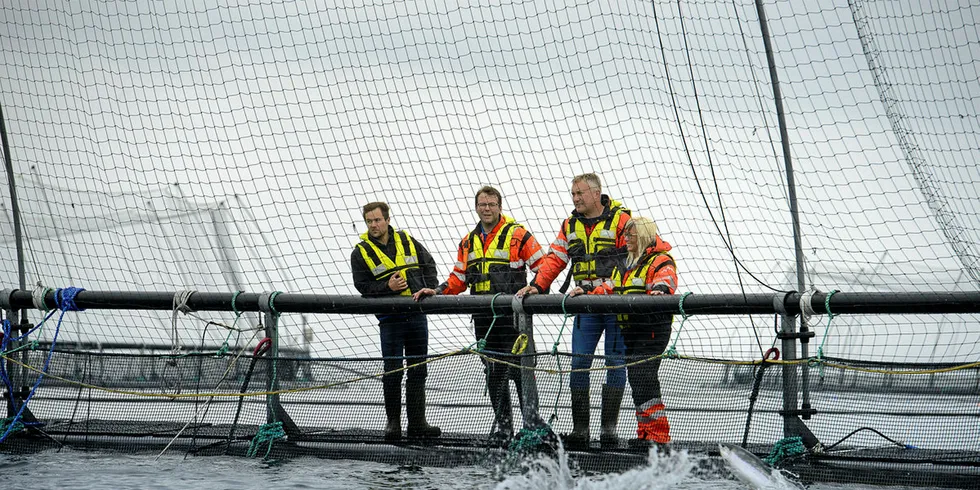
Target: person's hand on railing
(423, 293)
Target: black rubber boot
(418, 428)
(644, 445)
(612, 399)
(393, 409)
(498, 387)
(578, 438)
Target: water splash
(662, 471)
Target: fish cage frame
(925, 468)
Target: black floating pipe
(928, 302)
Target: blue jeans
(585, 337)
(404, 337)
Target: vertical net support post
(806, 312)
(19, 386)
(10, 316)
(793, 426)
(529, 388)
(274, 410)
(787, 334)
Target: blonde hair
(646, 234)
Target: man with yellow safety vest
(388, 263)
(648, 269)
(494, 258)
(592, 241)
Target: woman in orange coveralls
(647, 269)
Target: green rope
(224, 345)
(528, 439)
(554, 347)
(672, 350)
(234, 298)
(44, 294)
(785, 448)
(272, 301)
(267, 433)
(554, 352)
(482, 343)
(830, 316)
(15, 421)
(32, 345)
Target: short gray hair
(589, 178)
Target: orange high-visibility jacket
(590, 246)
(654, 271)
(497, 264)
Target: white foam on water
(661, 471)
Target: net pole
(529, 387)
(791, 191)
(789, 375)
(8, 164)
(272, 333)
(19, 387)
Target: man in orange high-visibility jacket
(592, 241)
(494, 258)
(387, 262)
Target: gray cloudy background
(230, 145)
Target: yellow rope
(910, 372)
(174, 396)
(520, 344)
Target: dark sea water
(94, 470)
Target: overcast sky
(133, 124)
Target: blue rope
(66, 298)
(66, 302)
(7, 339)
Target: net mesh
(188, 146)
(208, 404)
(231, 147)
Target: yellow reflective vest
(635, 279)
(498, 268)
(382, 266)
(590, 252)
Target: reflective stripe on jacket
(497, 265)
(654, 270)
(383, 266)
(593, 247)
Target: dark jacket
(423, 277)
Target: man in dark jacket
(391, 263)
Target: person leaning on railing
(389, 263)
(591, 240)
(494, 258)
(648, 269)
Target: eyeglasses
(632, 235)
(487, 205)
